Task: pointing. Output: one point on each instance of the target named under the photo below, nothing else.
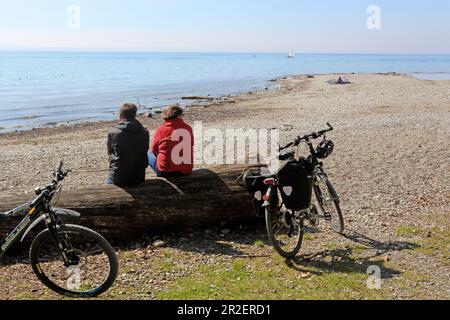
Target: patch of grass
(414, 284)
(259, 243)
(167, 266)
(437, 243)
(431, 241)
(408, 231)
(273, 279)
(358, 248)
(331, 246)
(127, 254)
(308, 236)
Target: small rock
(159, 244)
(305, 275)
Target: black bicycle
(286, 197)
(71, 260)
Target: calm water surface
(38, 88)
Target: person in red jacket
(172, 151)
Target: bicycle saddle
(286, 156)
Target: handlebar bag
(295, 181)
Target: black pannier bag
(257, 188)
(295, 179)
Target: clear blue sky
(407, 26)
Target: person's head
(172, 112)
(128, 111)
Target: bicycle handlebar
(314, 135)
(59, 167)
(58, 175)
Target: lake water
(38, 88)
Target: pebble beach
(391, 163)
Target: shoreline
(197, 103)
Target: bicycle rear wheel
(285, 230)
(92, 268)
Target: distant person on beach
(172, 150)
(342, 81)
(128, 144)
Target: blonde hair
(172, 112)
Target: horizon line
(143, 50)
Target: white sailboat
(291, 54)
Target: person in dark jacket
(128, 144)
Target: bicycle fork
(62, 242)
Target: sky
(309, 26)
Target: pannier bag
(257, 188)
(295, 181)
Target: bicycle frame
(41, 212)
(31, 216)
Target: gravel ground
(391, 167)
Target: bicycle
(287, 201)
(70, 260)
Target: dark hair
(128, 111)
(172, 112)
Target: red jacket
(171, 142)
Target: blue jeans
(153, 163)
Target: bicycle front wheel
(90, 266)
(329, 203)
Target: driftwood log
(197, 98)
(206, 197)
